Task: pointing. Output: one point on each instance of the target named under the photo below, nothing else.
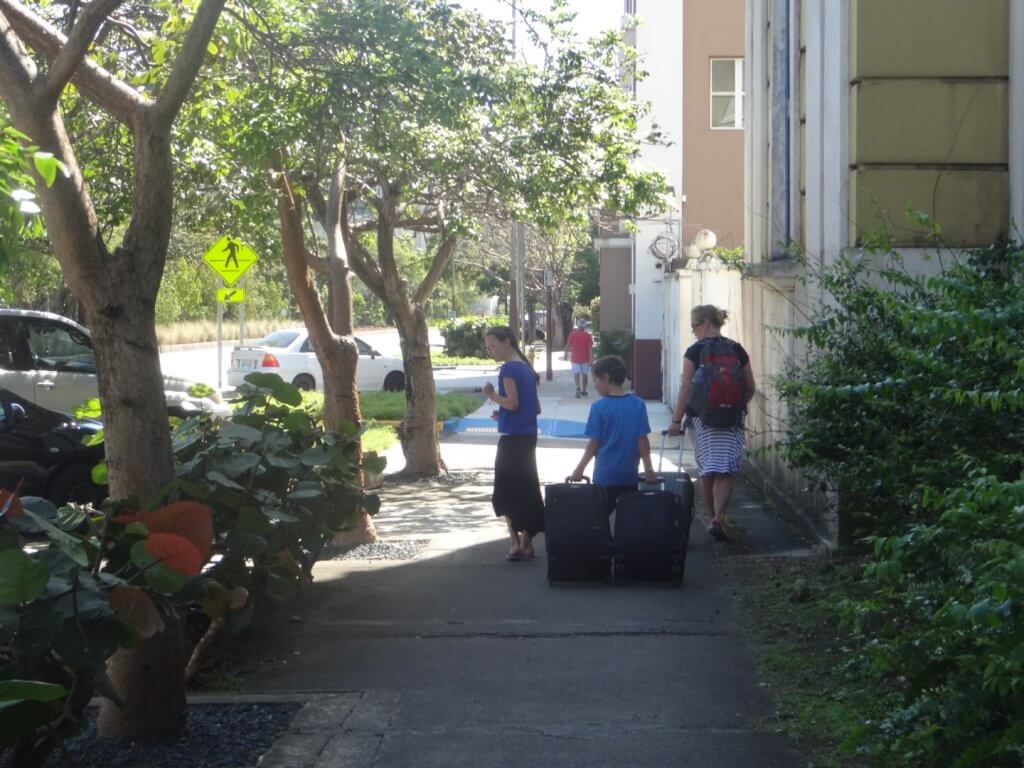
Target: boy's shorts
(583, 368)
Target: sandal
(514, 557)
(718, 532)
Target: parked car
(48, 360)
(43, 450)
(289, 353)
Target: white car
(289, 353)
(48, 359)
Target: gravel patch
(405, 549)
(215, 736)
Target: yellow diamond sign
(230, 295)
(230, 258)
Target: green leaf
(157, 575)
(223, 481)
(22, 579)
(239, 432)
(68, 543)
(47, 166)
(236, 464)
(99, 473)
(89, 409)
(31, 690)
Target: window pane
(59, 348)
(723, 75)
(723, 111)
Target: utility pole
(517, 243)
(549, 331)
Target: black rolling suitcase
(652, 527)
(577, 537)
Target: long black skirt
(516, 485)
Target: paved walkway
(459, 658)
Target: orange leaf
(11, 504)
(176, 552)
(188, 519)
(134, 607)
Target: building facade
(692, 54)
(859, 110)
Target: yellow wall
(929, 118)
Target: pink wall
(712, 159)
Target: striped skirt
(717, 451)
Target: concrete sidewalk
(459, 658)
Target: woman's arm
(510, 402)
(685, 382)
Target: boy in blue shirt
(617, 427)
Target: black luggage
(652, 527)
(577, 536)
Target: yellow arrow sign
(230, 258)
(230, 295)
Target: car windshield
(278, 339)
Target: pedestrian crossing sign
(230, 295)
(230, 258)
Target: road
(200, 363)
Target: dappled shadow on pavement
(455, 504)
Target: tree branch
(362, 262)
(17, 70)
(441, 260)
(187, 65)
(70, 57)
(99, 86)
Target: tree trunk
(338, 355)
(418, 430)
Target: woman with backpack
(716, 385)
(516, 495)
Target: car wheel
(305, 381)
(394, 382)
(73, 484)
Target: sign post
(230, 258)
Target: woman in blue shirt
(516, 494)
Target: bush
(948, 599)
(595, 313)
(280, 486)
(904, 367)
(391, 406)
(102, 582)
(464, 337)
(912, 411)
(618, 343)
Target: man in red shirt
(579, 345)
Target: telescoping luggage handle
(583, 479)
(661, 453)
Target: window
(727, 94)
(58, 347)
(364, 348)
(278, 339)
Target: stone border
(331, 730)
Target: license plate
(246, 365)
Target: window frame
(738, 93)
(47, 325)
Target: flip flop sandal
(514, 557)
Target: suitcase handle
(584, 479)
(661, 453)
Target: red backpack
(718, 392)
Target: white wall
(658, 41)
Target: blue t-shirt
(617, 423)
(523, 420)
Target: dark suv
(44, 452)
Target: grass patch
(390, 406)
(438, 359)
(198, 331)
(801, 652)
(379, 438)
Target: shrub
(948, 599)
(595, 312)
(280, 486)
(464, 337)
(926, 369)
(101, 583)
